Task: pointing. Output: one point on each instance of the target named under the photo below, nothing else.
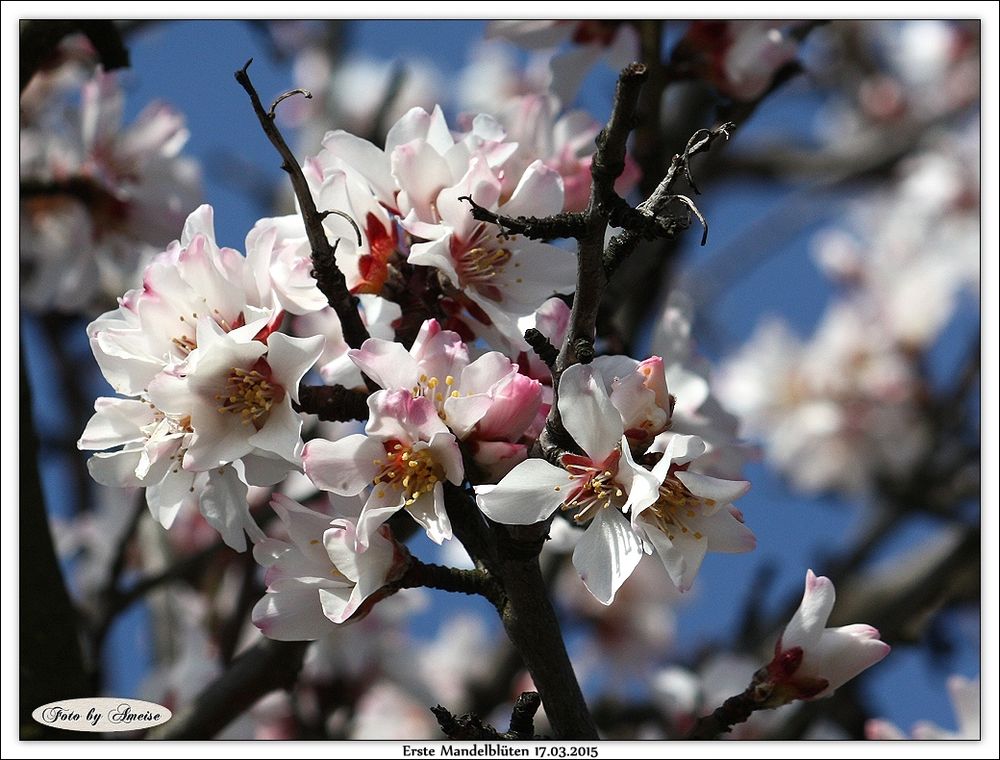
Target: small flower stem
(733, 711)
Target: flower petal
(607, 554)
(345, 466)
(527, 494)
(587, 413)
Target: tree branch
(565, 225)
(266, 666)
(328, 276)
(473, 582)
(471, 726)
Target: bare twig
(565, 225)
(473, 582)
(471, 726)
(328, 276)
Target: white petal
(538, 193)
(587, 413)
(116, 469)
(166, 498)
(293, 614)
(281, 434)
(116, 421)
(842, 653)
(807, 624)
(339, 603)
(224, 505)
(707, 487)
(607, 554)
(430, 513)
(527, 494)
(290, 358)
(386, 362)
(345, 466)
(681, 555)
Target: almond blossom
(317, 578)
(595, 486)
(485, 402)
(812, 661)
(692, 514)
(401, 462)
(98, 197)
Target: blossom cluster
(98, 198)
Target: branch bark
(328, 276)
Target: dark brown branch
(328, 276)
(473, 582)
(565, 225)
(541, 346)
(267, 666)
(733, 711)
(624, 243)
(333, 403)
(39, 40)
(471, 726)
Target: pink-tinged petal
(294, 614)
(224, 505)
(607, 554)
(339, 604)
(538, 193)
(421, 173)
(291, 358)
(398, 415)
(516, 401)
(716, 489)
(587, 413)
(116, 421)
(116, 469)
(440, 353)
(436, 254)
(842, 653)
(345, 466)
(430, 513)
(386, 362)
(806, 626)
(527, 494)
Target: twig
(471, 726)
(473, 582)
(328, 276)
(565, 225)
(541, 346)
(733, 711)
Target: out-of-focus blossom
(812, 661)
(317, 577)
(401, 463)
(965, 696)
(590, 40)
(387, 712)
(739, 57)
(99, 198)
